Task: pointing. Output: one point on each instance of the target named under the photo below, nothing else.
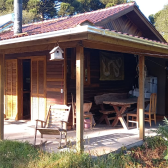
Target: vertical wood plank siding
(124, 25)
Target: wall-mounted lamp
(56, 54)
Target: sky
(148, 7)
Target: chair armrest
(41, 123)
(40, 120)
(64, 122)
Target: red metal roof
(66, 22)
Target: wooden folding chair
(55, 123)
(86, 114)
(133, 116)
(152, 109)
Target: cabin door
(38, 88)
(11, 89)
(24, 88)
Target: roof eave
(126, 37)
(47, 35)
(78, 30)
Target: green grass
(14, 154)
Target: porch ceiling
(96, 44)
(91, 37)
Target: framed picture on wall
(111, 66)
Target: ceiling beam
(127, 45)
(119, 48)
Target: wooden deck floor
(101, 140)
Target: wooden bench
(106, 112)
(55, 123)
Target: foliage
(14, 153)
(47, 9)
(152, 19)
(61, 160)
(28, 17)
(163, 132)
(33, 10)
(163, 129)
(109, 3)
(71, 7)
(154, 142)
(160, 21)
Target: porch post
(1, 96)
(141, 96)
(65, 76)
(79, 97)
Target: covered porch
(85, 37)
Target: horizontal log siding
(55, 76)
(98, 87)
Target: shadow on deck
(100, 140)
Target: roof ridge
(80, 14)
(104, 9)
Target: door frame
(20, 87)
(20, 84)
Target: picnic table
(120, 107)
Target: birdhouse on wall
(56, 54)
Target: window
(86, 66)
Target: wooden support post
(1, 96)
(65, 76)
(141, 96)
(79, 97)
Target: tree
(33, 10)
(47, 9)
(109, 3)
(152, 19)
(72, 7)
(160, 21)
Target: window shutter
(38, 95)
(11, 92)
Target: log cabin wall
(97, 87)
(54, 76)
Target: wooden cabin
(32, 82)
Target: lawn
(14, 154)
(152, 153)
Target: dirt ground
(150, 158)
